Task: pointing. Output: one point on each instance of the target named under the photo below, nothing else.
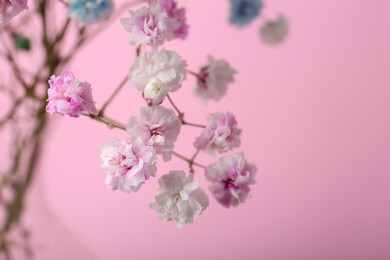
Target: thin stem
(193, 73)
(191, 163)
(113, 95)
(111, 123)
(181, 115)
(192, 124)
(188, 160)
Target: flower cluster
(156, 73)
(11, 8)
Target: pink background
(315, 119)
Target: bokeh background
(315, 118)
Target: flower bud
(155, 92)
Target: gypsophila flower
(176, 20)
(129, 163)
(231, 177)
(274, 31)
(11, 8)
(156, 73)
(90, 11)
(67, 95)
(158, 127)
(220, 135)
(147, 25)
(244, 11)
(213, 79)
(179, 198)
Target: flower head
(129, 163)
(11, 8)
(156, 73)
(147, 25)
(158, 127)
(220, 135)
(275, 31)
(90, 11)
(67, 95)
(213, 79)
(179, 199)
(176, 20)
(231, 177)
(244, 11)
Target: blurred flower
(213, 79)
(156, 73)
(179, 199)
(274, 32)
(220, 135)
(244, 11)
(90, 11)
(67, 95)
(158, 127)
(147, 25)
(11, 8)
(176, 19)
(231, 177)
(129, 163)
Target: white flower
(129, 163)
(213, 79)
(179, 199)
(156, 73)
(158, 127)
(274, 32)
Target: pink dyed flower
(231, 177)
(176, 19)
(11, 8)
(220, 135)
(147, 25)
(158, 127)
(179, 199)
(129, 163)
(67, 95)
(213, 79)
(156, 73)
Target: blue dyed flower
(244, 11)
(90, 11)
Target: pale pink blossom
(147, 25)
(220, 135)
(156, 73)
(231, 177)
(213, 79)
(158, 127)
(67, 95)
(176, 19)
(129, 163)
(11, 8)
(179, 199)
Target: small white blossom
(179, 199)
(156, 73)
